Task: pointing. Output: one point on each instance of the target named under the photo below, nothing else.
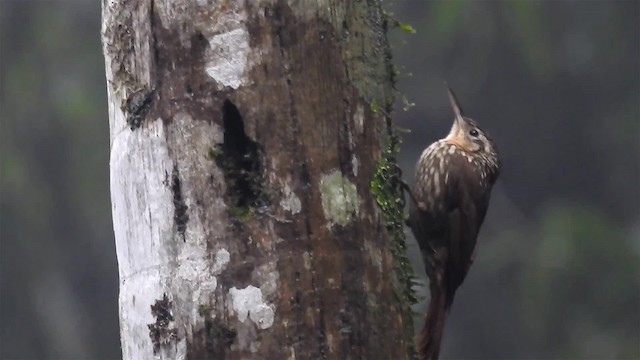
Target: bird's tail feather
(431, 335)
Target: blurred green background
(556, 83)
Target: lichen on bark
(339, 198)
(387, 191)
(242, 138)
(386, 188)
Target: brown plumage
(451, 193)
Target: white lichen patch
(358, 119)
(340, 200)
(375, 254)
(306, 257)
(290, 202)
(354, 165)
(248, 303)
(331, 342)
(228, 58)
(262, 315)
(221, 261)
(196, 268)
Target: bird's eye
(473, 132)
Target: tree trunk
(249, 146)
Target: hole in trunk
(240, 159)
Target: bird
(450, 196)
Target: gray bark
(244, 137)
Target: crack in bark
(180, 216)
(240, 159)
(156, 56)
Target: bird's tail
(431, 335)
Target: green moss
(214, 154)
(242, 213)
(387, 191)
(375, 108)
(393, 22)
(244, 184)
(204, 310)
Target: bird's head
(466, 134)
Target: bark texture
(244, 139)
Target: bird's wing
(465, 216)
(463, 232)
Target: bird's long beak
(457, 110)
(455, 105)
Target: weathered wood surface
(244, 138)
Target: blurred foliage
(58, 274)
(525, 19)
(556, 83)
(582, 255)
